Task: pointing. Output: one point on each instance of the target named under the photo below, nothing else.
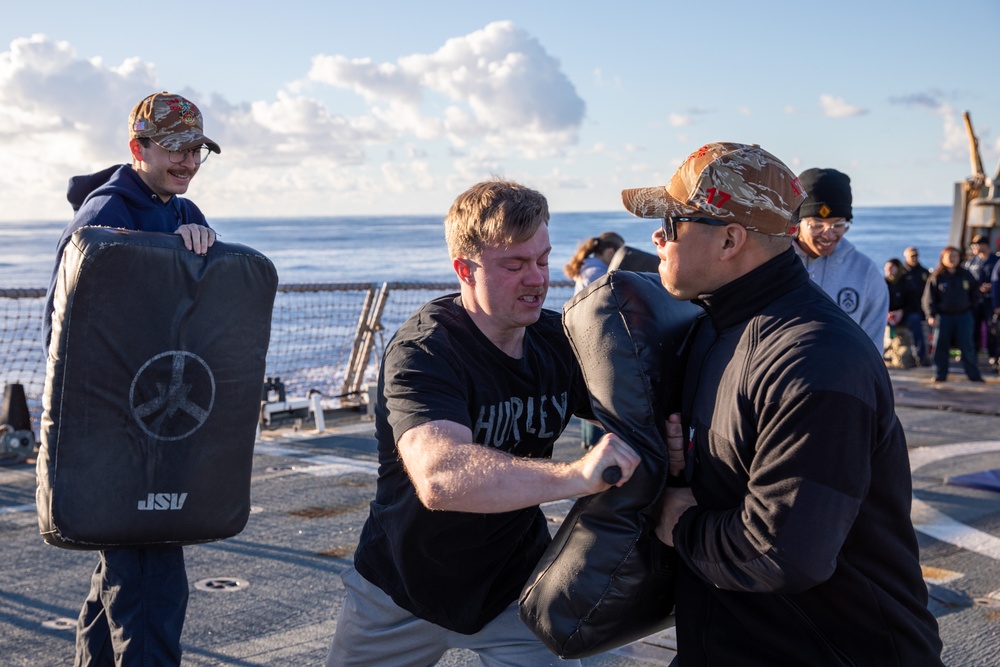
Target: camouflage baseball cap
(171, 121)
(726, 181)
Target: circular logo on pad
(172, 395)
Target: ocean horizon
(412, 248)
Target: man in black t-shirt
(473, 391)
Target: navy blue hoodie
(117, 197)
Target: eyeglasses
(669, 225)
(199, 154)
(818, 227)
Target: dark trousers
(978, 320)
(134, 613)
(984, 315)
(915, 323)
(955, 331)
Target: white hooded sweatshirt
(851, 279)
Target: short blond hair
(493, 213)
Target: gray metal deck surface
(271, 595)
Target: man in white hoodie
(848, 276)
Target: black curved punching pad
(602, 583)
(628, 258)
(152, 390)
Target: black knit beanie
(828, 194)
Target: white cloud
(955, 145)
(47, 91)
(292, 128)
(924, 99)
(611, 152)
(414, 152)
(489, 96)
(837, 107)
(498, 86)
(59, 115)
(372, 81)
(557, 180)
(954, 141)
(679, 120)
(404, 178)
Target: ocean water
(411, 248)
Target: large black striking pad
(605, 579)
(628, 258)
(152, 390)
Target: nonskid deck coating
(310, 494)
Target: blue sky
(347, 108)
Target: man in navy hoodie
(135, 611)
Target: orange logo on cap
(825, 211)
(701, 152)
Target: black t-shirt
(458, 569)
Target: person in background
(849, 277)
(894, 282)
(794, 540)
(980, 265)
(138, 598)
(591, 259)
(950, 297)
(911, 262)
(899, 343)
(473, 391)
(915, 276)
(995, 298)
(589, 263)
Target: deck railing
(326, 338)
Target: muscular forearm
(474, 478)
(451, 473)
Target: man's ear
(136, 149)
(463, 270)
(734, 240)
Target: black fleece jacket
(800, 550)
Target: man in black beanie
(849, 277)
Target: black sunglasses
(669, 225)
